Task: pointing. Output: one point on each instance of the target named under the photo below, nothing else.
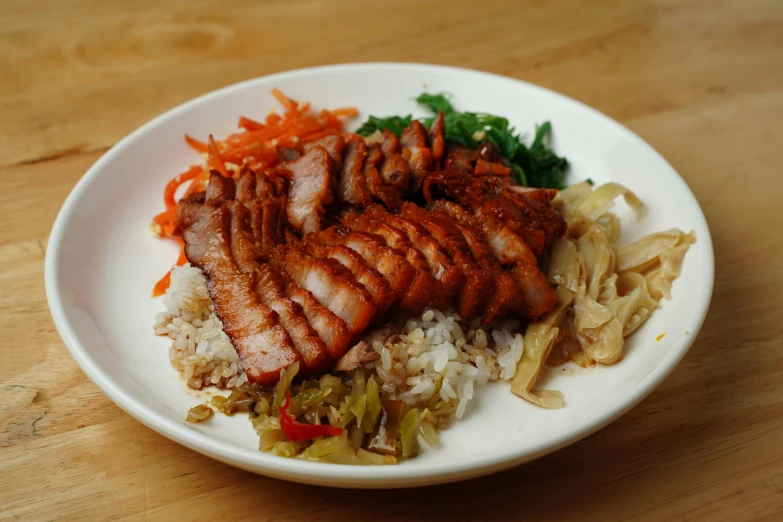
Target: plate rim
(334, 474)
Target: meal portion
(353, 290)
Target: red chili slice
(298, 431)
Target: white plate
(102, 262)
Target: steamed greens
(536, 165)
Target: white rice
(439, 344)
(466, 354)
(200, 351)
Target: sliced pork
(385, 193)
(351, 185)
(270, 287)
(416, 152)
(333, 144)
(437, 141)
(331, 284)
(261, 342)
(379, 289)
(409, 287)
(477, 283)
(289, 287)
(506, 294)
(312, 183)
(441, 268)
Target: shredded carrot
(166, 216)
(288, 104)
(255, 146)
(237, 154)
(173, 185)
(273, 118)
(346, 112)
(215, 159)
(269, 132)
(163, 284)
(299, 128)
(198, 146)
(318, 135)
(250, 125)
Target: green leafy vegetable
(535, 166)
(395, 124)
(435, 102)
(541, 165)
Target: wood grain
(702, 81)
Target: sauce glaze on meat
(305, 259)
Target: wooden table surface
(701, 81)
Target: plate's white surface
(102, 262)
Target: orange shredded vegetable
(161, 286)
(318, 135)
(288, 104)
(173, 185)
(348, 112)
(198, 146)
(215, 160)
(250, 125)
(254, 146)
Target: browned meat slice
(460, 158)
(269, 185)
(513, 216)
(261, 342)
(359, 354)
(542, 195)
(389, 195)
(440, 265)
(437, 141)
(378, 288)
(450, 183)
(537, 214)
(312, 182)
(394, 171)
(416, 152)
(381, 333)
(330, 329)
(270, 287)
(478, 284)
(331, 284)
(514, 253)
(351, 186)
(389, 143)
(219, 187)
(410, 289)
(189, 210)
(490, 152)
(313, 349)
(333, 144)
(363, 352)
(287, 153)
(513, 237)
(533, 218)
(374, 223)
(491, 161)
(444, 278)
(507, 294)
(246, 187)
(268, 220)
(485, 168)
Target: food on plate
(353, 291)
